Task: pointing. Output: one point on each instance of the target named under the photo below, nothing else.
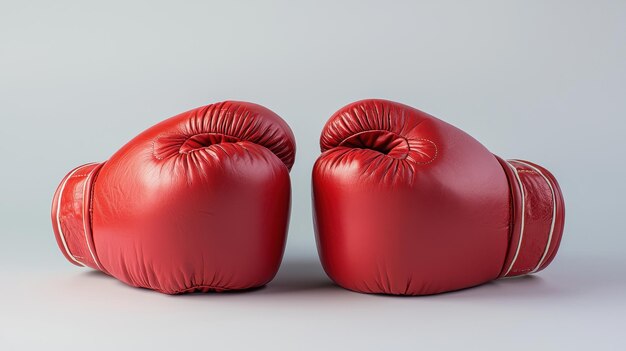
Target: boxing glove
(407, 204)
(198, 202)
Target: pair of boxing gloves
(404, 204)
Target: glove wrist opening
(537, 218)
(71, 216)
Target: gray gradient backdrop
(540, 80)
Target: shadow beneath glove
(299, 275)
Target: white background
(539, 80)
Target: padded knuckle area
(386, 127)
(361, 116)
(226, 122)
(204, 140)
(388, 143)
(167, 145)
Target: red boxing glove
(407, 204)
(198, 202)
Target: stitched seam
(90, 219)
(434, 156)
(522, 218)
(153, 149)
(512, 210)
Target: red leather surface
(198, 202)
(408, 204)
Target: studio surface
(543, 81)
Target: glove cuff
(537, 218)
(71, 216)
